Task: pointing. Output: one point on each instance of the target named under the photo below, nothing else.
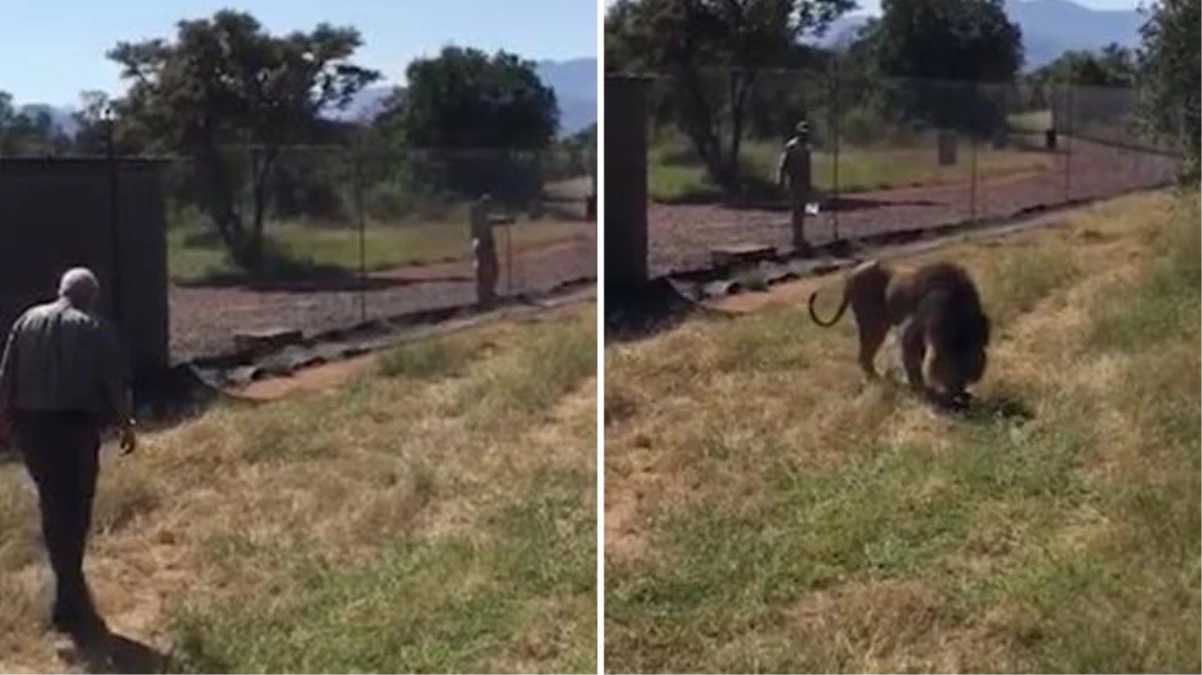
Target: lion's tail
(838, 313)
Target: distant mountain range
(575, 85)
(574, 82)
(1049, 27)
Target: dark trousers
(61, 452)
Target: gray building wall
(55, 214)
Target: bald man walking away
(63, 380)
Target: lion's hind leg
(873, 330)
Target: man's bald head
(79, 287)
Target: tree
(464, 99)
(934, 49)
(225, 81)
(712, 54)
(1113, 66)
(477, 121)
(29, 130)
(91, 136)
(1170, 62)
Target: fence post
(362, 223)
(973, 149)
(625, 183)
(508, 224)
(1068, 143)
(835, 162)
(114, 218)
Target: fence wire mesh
(885, 155)
(323, 238)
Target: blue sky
(874, 6)
(52, 50)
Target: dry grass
(769, 511)
(438, 517)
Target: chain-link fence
(322, 238)
(886, 156)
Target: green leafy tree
(225, 81)
(711, 55)
(1170, 63)
(474, 122)
(1113, 66)
(91, 132)
(933, 50)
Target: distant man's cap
(803, 127)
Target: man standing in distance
(63, 380)
(484, 251)
(793, 174)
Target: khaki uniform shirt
(794, 165)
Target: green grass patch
(527, 381)
(1019, 280)
(427, 359)
(1031, 122)
(449, 604)
(1165, 305)
(731, 567)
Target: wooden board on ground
(745, 253)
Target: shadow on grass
(997, 408)
(633, 314)
(115, 653)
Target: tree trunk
(261, 172)
(219, 202)
(738, 103)
(700, 127)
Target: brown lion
(944, 332)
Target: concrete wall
(55, 214)
(625, 183)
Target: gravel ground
(682, 236)
(205, 319)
